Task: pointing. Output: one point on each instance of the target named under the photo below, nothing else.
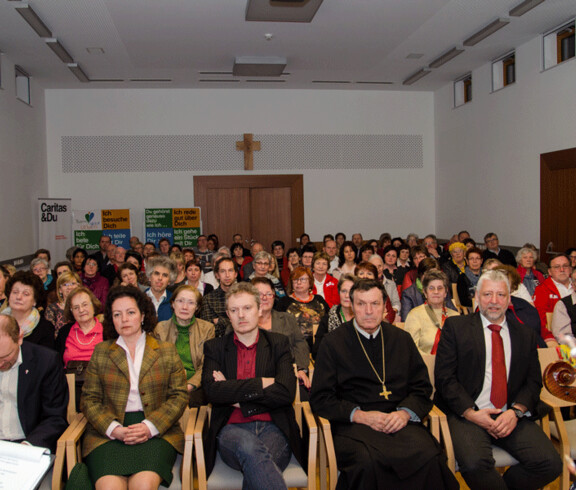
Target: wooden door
(557, 202)
(260, 207)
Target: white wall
(22, 165)
(368, 201)
(488, 151)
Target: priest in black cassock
(373, 386)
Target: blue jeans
(258, 449)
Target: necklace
(385, 393)
(84, 343)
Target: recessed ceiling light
(95, 50)
(414, 56)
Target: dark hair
(367, 285)
(426, 264)
(63, 263)
(5, 272)
(90, 257)
(309, 247)
(191, 262)
(136, 255)
(292, 250)
(27, 278)
(43, 251)
(400, 239)
(124, 266)
(341, 234)
(473, 250)
(79, 250)
(215, 239)
(341, 258)
(236, 245)
(68, 315)
(389, 248)
(568, 252)
(277, 243)
(466, 241)
(304, 235)
(175, 246)
(263, 280)
(368, 266)
(150, 243)
(142, 301)
(328, 236)
(164, 240)
(558, 256)
(365, 247)
(488, 235)
(224, 259)
(404, 246)
(419, 249)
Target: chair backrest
(430, 360)
(549, 316)
(455, 297)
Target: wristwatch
(519, 413)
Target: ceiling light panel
(524, 7)
(446, 57)
(281, 11)
(486, 31)
(258, 66)
(416, 76)
(34, 21)
(78, 72)
(59, 50)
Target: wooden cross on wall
(248, 146)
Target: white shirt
(156, 302)
(563, 290)
(320, 287)
(483, 400)
(134, 403)
(333, 264)
(10, 426)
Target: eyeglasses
(70, 284)
(259, 262)
(301, 279)
(187, 302)
(266, 295)
(560, 267)
(37, 270)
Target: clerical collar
(365, 334)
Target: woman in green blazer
(133, 397)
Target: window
(463, 90)
(503, 71)
(559, 45)
(22, 85)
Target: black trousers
(539, 463)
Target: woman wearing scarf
(466, 285)
(25, 291)
(188, 333)
(457, 263)
(425, 322)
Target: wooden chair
(549, 316)
(436, 420)
(68, 452)
(562, 430)
(225, 478)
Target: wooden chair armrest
(312, 444)
(200, 428)
(435, 415)
(60, 458)
(72, 441)
(554, 401)
(187, 466)
(327, 455)
(445, 437)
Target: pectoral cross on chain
(385, 393)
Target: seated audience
(78, 258)
(308, 252)
(389, 284)
(25, 292)
(531, 278)
(33, 391)
(284, 323)
(92, 279)
(466, 284)
(557, 286)
(214, 303)
(41, 268)
(188, 333)
(248, 267)
(262, 262)
(4, 276)
(346, 259)
(493, 250)
(136, 259)
(366, 251)
(456, 266)
(249, 379)
(178, 259)
(488, 383)
(128, 275)
(331, 250)
(161, 271)
(61, 267)
(564, 317)
(65, 284)
(324, 284)
(193, 277)
(417, 254)
(425, 322)
(76, 340)
(302, 304)
(414, 295)
(390, 256)
(338, 314)
(403, 263)
(371, 383)
(237, 251)
(277, 250)
(367, 270)
(133, 397)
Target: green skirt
(117, 458)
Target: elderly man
(488, 383)
(33, 390)
(249, 379)
(493, 250)
(546, 295)
(161, 271)
(214, 303)
(373, 386)
(248, 268)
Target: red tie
(498, 393)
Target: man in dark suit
(488, 382)
(493, 250)
(249, 379)
(33, 390)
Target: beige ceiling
(191, 41)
